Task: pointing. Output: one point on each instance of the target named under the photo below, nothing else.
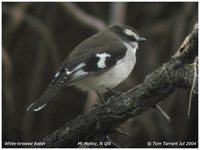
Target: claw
(119, 93)
(94, 106)
(101, 98)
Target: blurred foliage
(37, 37)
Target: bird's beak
(141, 39)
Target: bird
(99, 63)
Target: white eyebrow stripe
(101, 62)
(131, 33)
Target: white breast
(114, 76)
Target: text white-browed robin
(99, 63)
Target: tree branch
(176, 73)
(117, 13)
(83, 17)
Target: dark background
(37, 37)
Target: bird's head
(127, 33)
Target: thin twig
(163, 113)
(121, 131)
(193, 85)
(113, 143)
(83, 17)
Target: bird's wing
(99, 59)
(79, 66)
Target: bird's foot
(101, 98)
(120, 93)
(94, 106)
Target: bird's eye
(132, 38)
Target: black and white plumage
(102, 61)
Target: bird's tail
(43, 100)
